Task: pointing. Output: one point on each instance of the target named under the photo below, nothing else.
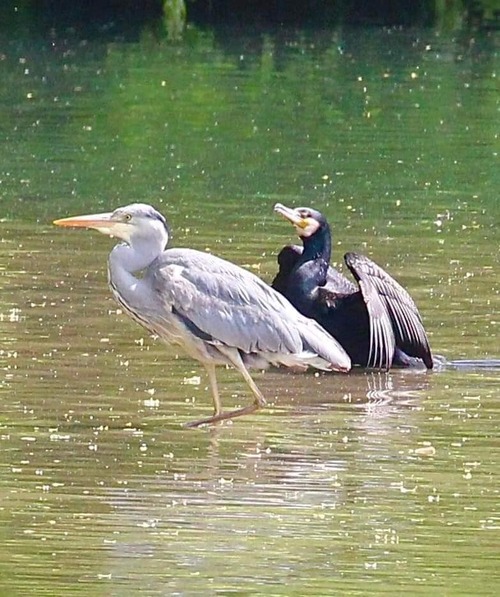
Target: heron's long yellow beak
(291, 215)
(101, 222)
(91, 221)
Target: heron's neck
(126, 260)
(136, 256)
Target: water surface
(345, 484)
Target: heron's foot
(223, 416)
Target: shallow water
(345, 483)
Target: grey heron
(221, 314)
(376, 321)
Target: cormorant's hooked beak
(291, 215)
(101, 222)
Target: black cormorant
(376, 321)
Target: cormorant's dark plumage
(376, 321)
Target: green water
(349, 484)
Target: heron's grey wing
(223, 303)
(406, 323)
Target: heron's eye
(128, 217)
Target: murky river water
(345, 484)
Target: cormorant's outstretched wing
(406, 323)
(382, 341)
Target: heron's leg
(210, 367)
(234, 356)
(259, 401)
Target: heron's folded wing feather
(225, 302)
